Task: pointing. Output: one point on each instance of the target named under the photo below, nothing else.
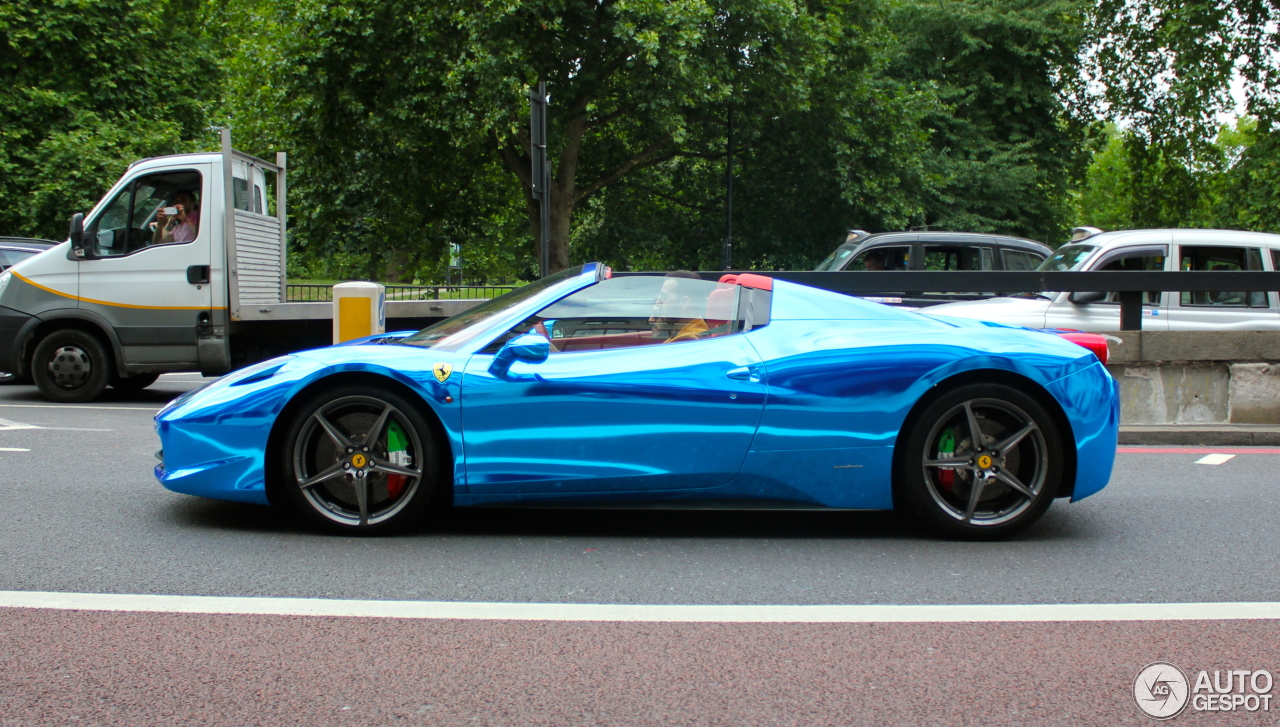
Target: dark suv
(935, 250)
(932, 250)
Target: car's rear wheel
(982, 462)
(71, 366)
(359, 459)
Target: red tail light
(1092, 341)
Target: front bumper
(214, 440)
(11, 322)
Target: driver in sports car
(679, 308)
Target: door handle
(745, 373)
(198, 274)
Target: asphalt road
(85, 515)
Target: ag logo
(1161, 690)
(442, 371)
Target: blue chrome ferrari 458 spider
(584, 387)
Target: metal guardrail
(321, 293)
(1129, 285)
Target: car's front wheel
(359, 460)
(982, 462)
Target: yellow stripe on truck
(355, 318)
(46, 289)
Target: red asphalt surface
(100, 668)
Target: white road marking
(1214, 458)
(13, 449)
(8, 426)
(152, 409)
(626, 612)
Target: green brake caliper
(946, 449)
(397, 454)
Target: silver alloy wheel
(69, 367)
(344, 468)
(996, 466)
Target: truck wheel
(71, 366)
(137, 382)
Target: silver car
(1214, 250)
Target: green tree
(388, 93)
(88, 86)
(1004, 146)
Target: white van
(1212, 250)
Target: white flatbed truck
(142, 287)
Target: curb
(1202, 435)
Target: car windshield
(836, 260)
(1067, 257)
(459, 329)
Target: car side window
(635, 311)
(1150, 258)
(1020, 260)
(1222, 259)
(153, 209)
(956, 257)
(882, 258)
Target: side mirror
(1092, 296)
(78, 247)
(530, 348)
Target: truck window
(1194, 257)
(1144, 258)
(243, 199)
(154, 209)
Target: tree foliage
(1004, 144)
(86, 86)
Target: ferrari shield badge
(442, 371)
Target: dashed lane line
(1215, 459)
(628, 612)
(13, 449)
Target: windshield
(836, 260)
(1068, 257)
(457, 330)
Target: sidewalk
(1202, 435)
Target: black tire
(71, 366)
(310, 450)
(136, 382)
(1015, 472)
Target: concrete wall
(1197, 377)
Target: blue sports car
(585, 387)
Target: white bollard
(359, 310)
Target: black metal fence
(1128, 285)
(321, 293)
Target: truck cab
(150, 278)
